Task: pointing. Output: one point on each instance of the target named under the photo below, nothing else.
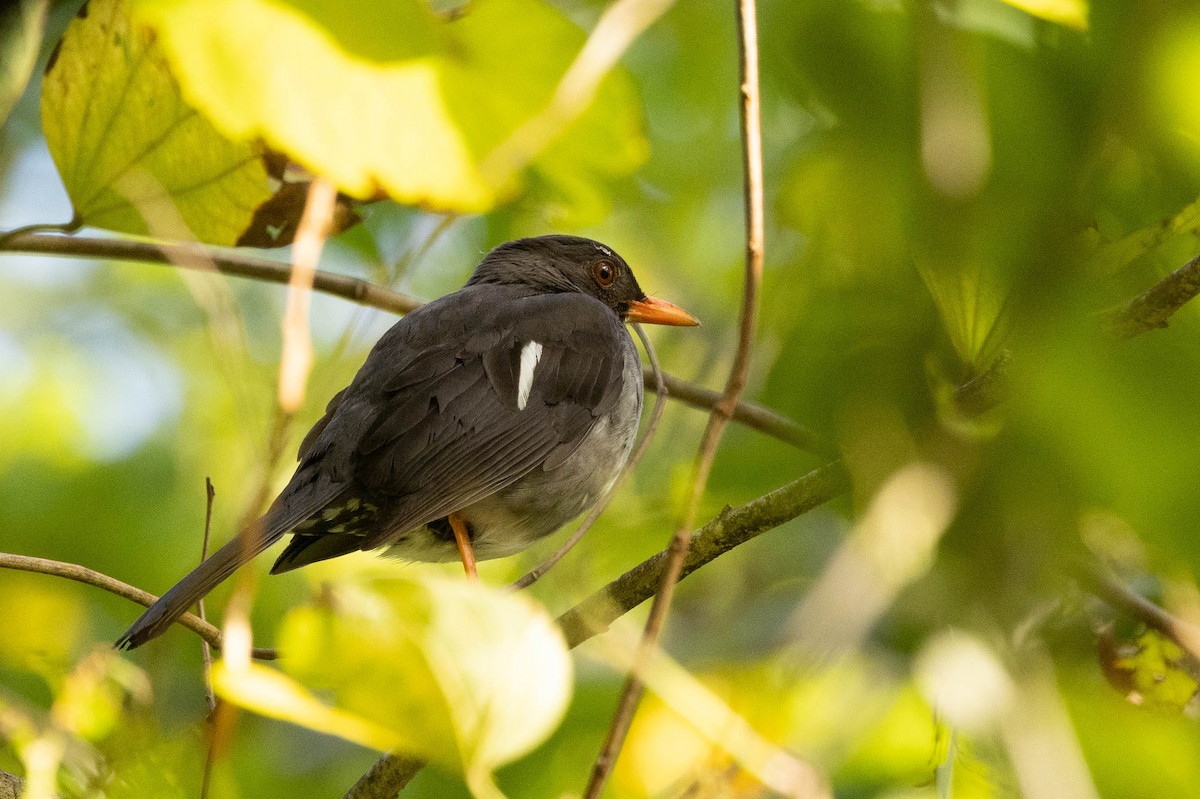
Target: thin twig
(722, 411)
(42, 227)
(226, 261)
(756, 417)
(536, 573)
(241, 264)
(210, 754)
(1112, 591)
(210, 494)
(82, 574)
(1151, 309)
(731, 528)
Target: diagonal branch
(82, 574)
(242, 264)
(1152, 308)
(731, 528)
(1104, 585)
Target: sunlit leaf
(409, 105)
(95, 695)
(462, 675)
(132, 154)
(971, 300)
(1171, 84)
(1151, 671)
(43, 624)
(270, 693)
(21, 26)
(1072, 13)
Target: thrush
(478, 424)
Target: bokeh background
(946, 183)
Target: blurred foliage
(461, 675)
(946, 183)
(384, 97)
(21, 27)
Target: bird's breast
(545, 499)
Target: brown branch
(241, 264)
(210, 494)
(756, 417)
(226, 261)
(82, 574)
(1151, 309)
(1108, 588)
(731, 528)
(722, 412)
(11, 786)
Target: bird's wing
(452, 422)
(431, 425)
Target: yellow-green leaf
(270, 693)
(1156, 673)
(1071, 13)
(971, 299)
(459, 674)
(410, 104)
(135, 157)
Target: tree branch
(82, 574)
(1151, 309)
(731, 528)
(241, 264)
(1109, 589)
(226, 261)
(11, 786)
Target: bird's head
(560, 264)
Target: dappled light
(917, 519)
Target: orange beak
(654, 311)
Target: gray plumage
(513, 401)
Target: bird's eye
(605, 272)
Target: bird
(478, 423)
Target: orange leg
(463, 539)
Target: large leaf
(133, 155)
(459, 674)
(382, 96)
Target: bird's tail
(204, 578)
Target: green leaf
(1071, 13)
(269, 693)
(1154, 671)
(409, 105)
(135, 157)
(970, 298)
(21, 26)
(462, 675)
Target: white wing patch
(531, 353)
